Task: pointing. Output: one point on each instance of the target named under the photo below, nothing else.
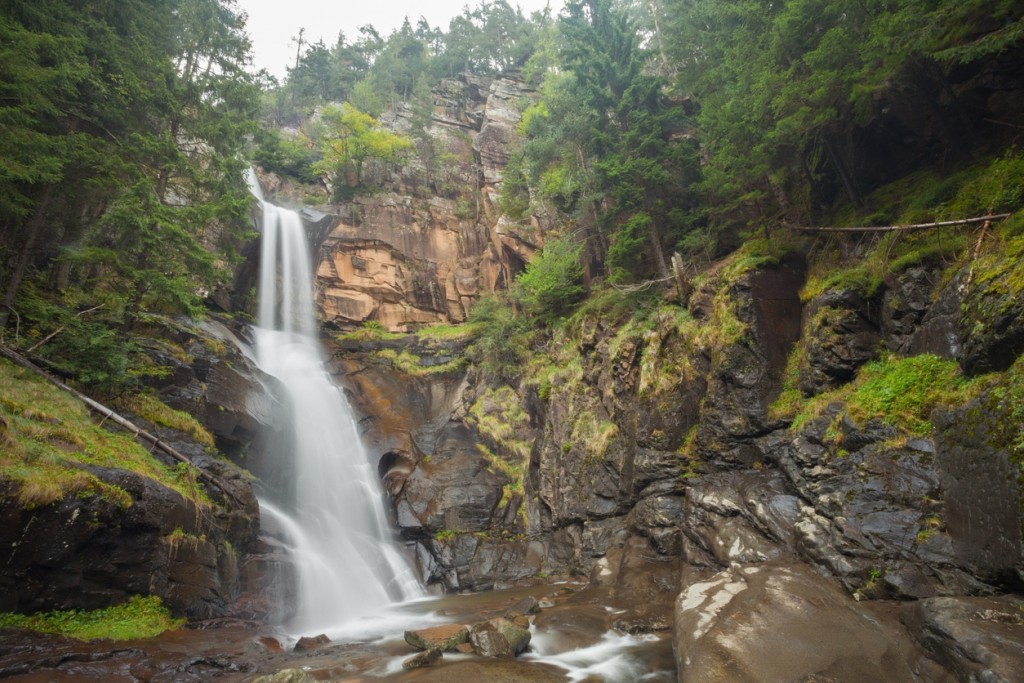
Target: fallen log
(916, 226)
(121, 421)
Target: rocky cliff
(429, 240)
(660, 445)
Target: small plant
(140, 617)
(444, 535)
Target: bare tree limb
(59, 330)
(917, 226)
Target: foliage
(348, 139)
(122, 126)
(902, 392)
(499, 347)
(156, 411)
(552, 282)
(140, 617)
(796, 97)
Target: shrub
(551, 285)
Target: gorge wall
(428, 241)
(656, 455)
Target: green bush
(138, 618)
(499, 347)
(551, 285)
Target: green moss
(760, 252)
(372, 330)
(865, 279)
(790, 399)
(412, 365)
(140, 617)
(500, 417)
(47, 436)
(900, 391)
(156, 411)
(444, 535)
(445, 332)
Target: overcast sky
(273, 23)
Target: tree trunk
(844, 175)
(25, 256)
(659, 253)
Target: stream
(568, 644)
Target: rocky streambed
(567, 636)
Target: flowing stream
(347, 562)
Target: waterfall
(347, 565)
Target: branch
(58, 330)
(107, 413)
(917, 226)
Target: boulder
(310, 643)
(499, 638)
(774, 623)
(421, 659)
(439, 638)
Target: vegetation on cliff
(50, 442)
(140, 617)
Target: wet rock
(992, 317)
(982, 513)
(980, 639)
(454, 490)
(270, 643)
(492, 671)
(286, 676)
(90, 553)
(499, 638)
(904, 305)
(775, 623)
(524, 607)
(464, 648)
(939, 332)
(440, 638)
(422, 659)
(741, 517)
(842, 335)
(310, 643)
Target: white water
(348, 566)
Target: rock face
(89, 552)
(771, 623)
(650, 460)
(429, 244)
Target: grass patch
(412, 365)
(901, 392)
(140, 617)
(372, 330)
(151, 408)
(445, 332)
(46, 436)
(500, 417)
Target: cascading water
(347, 567)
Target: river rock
(422, 659)
(499, 638)
(440, 638)
(310, 643)
(787, 623)
(286, 676)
